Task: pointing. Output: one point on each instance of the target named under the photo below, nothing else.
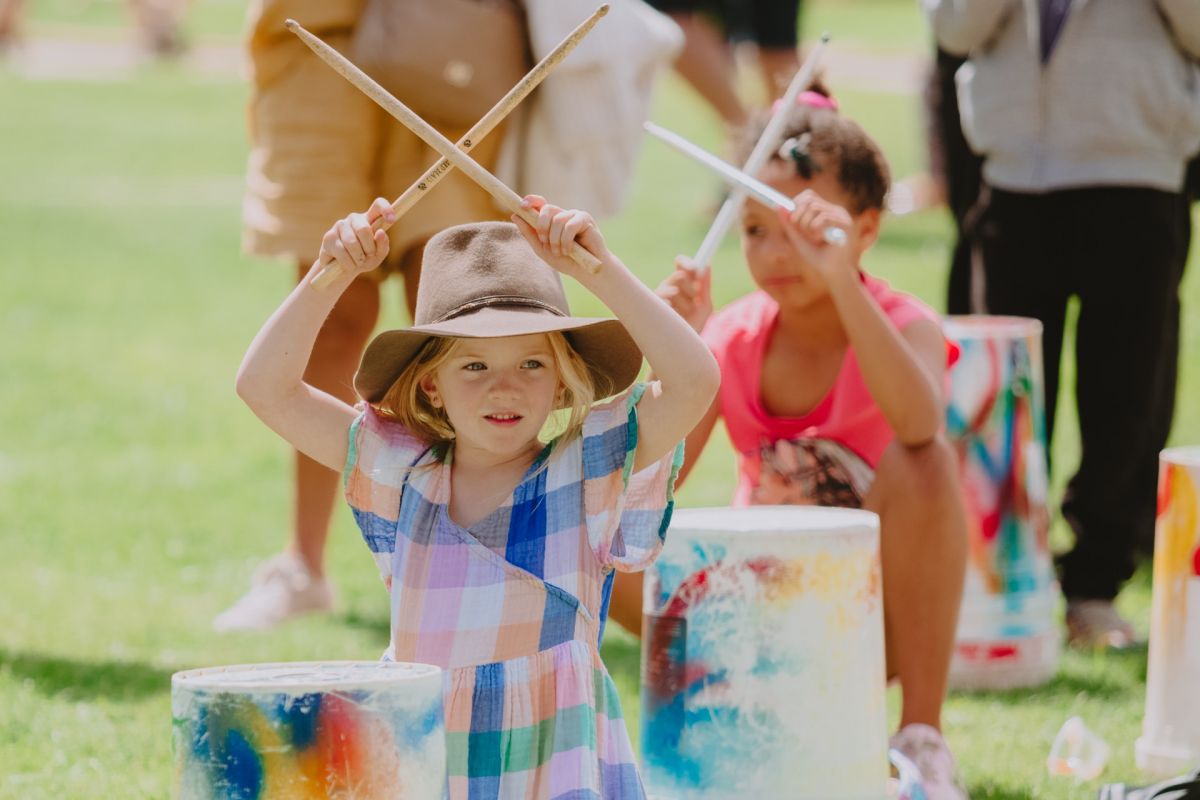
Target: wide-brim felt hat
(483, 280)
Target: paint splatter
(763, 662)
(996, 421)
(1170, 739)
(236, 743)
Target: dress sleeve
(380, 455)
(627, 513)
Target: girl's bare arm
(903, 370)
(686, 374)
(271, 377)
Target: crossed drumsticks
(453, 155)
(456, 154)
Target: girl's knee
(928, 468)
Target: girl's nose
(505, 382)
(778, 248)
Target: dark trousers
(953, 158)
(1121, 251)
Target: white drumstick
(766, 144)
(760, 190)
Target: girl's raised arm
(904, 371)
(686, 374)
(271, 377)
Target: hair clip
(816, 100)
(796, 149)
(808, 98)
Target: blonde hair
(407, 403)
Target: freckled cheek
(461, 396)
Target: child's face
(497, 393)
(774, 263)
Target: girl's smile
(504, 418)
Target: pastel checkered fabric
(513, 607)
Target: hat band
(498, 300)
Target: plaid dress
(513, 608)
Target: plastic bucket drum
(339, 729)
(1170, 741)
(763, 657)
(1008, 633)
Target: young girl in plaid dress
(497, 542)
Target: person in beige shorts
(320, 149)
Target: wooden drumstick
(505, 196)
(330, 270)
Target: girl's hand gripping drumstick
(330, 270)
(760, 191)
(506, 197)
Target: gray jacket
(1117, 103)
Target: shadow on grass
(374, 624)
(989, 791)
(71, 679)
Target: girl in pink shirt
(832, 393)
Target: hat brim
(610, 352)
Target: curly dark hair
(818, 139)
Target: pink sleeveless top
(738, 337)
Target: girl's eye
(753, 230)
(475, 366)
(532, 363)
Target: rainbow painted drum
(1170, 741)
(367, 730)
(1008, 633)
(763, 657)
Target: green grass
(137, 493)
(205, 21)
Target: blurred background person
(321, 148)
(712, 27)
(10, 23)
(159, 24)
(1085, 114)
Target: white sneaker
(1096, 624)
(282, 588)
(924, 746)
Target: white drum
(763, 671)
(1170, 741)
(309, 730)
(1008, 630)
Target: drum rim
(1184, 455)
(849, 519)
(369, 675)
(990, 326)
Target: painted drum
(309, 731)
(763, 657)
(1170, 740)
(1008, 630)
